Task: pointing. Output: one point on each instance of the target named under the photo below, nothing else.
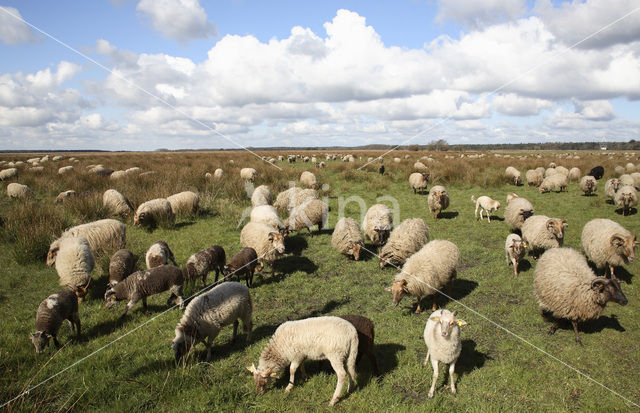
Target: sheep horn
(598, 281)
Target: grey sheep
(159, 254)
(517, 211)
(378, 223)
(565, 286)
(608, 244)
(514, 248)
(243, 263)
(311, 213)
(418, 181)
(627, 198)
(153, 212)
(103, 235)
(542, 233)
(438, 200)
(186, 202)
(588, 185)
(121, 265)
(54, 309)
(405, 240)
(199, 264)
(116, 203)
(366, 337)
(347, 237)
(74, 263)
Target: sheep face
(383, 234)
(262, 378)
(40, 340)
(51, 256)
(398, 289)
(136, 220)
(110, 298)
(556, 227)
(182, 343)
(518, 248)
(355, 251)
(447, 322)
(276, 240)
(608, 290)
(624, 246)
(525, 214)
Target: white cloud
(595, 110)
(514, 105)
(13, 30)
(477, 14)
(180, 20)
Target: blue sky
(255, 73)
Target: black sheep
(597, 172)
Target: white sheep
(303, 196)
(186, 202)
(285, 199)
(629, 167)
(418, 181)
(636, 180)
(65, 169)
(218, 173)
(517, 211)
(486, 204)
(407, 238)
(542, 233)
(588, 185)
(65, 195)
(556, 182)
(268, 243)
(438, 200)
(611, 187)
(248, 174)
(116, 175)
(627, 180)
(378, 223)
(309, 180)
(261, 196)
(513, 175)
(159, 254)
(8, 173)
(515, 250)
(311, 213)
(574, 174)
(74, 262)
(627, 198)
(103, 235)
(19, 191)
(153, 212)
(267, 214)
(562, 170)
(116, 203)
(608, 244)
(619, 170)
(347, 237)
(533, 177)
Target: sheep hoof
(333, 401)
(289, 387)
(431, 394)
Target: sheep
(206, 314)
(517, 212)
(636, 180)
(377, 224)
(557, 182)
(511, 196)
(121, 265)
(552, 165)
(347, 237)
(243, 263)
(565, 286)
(65, 195)
(268, 215)
(269, 244)
(65, 169)
(426, 272)
(186, 202)
(218, 173)
(36, 169)
(308, 179)
(597, 172)
(542, 233)
(141, 284)
(285, 199)
(199, 264)
(312, 212)
(152, 212)
(486, 204)
(366, 336)
(629, 167)
(302, 197)
(103, 235)
(619, 170)
(248, 174)
(626, 179)
(514, 249)
(116, 203)
(564, 171)
(574, 174)
(627, 198)
(100, 170)
(611, 187)
(608, 244)
(533, 177)
(420, 167)
(381, 170)
(407, 238)
(513, 175)
(115, 175)
(397, 160)
(438, 200)
(588, 185)
(8, 173)
(550, 172)
(19, 191)
(74, 262)
(261, 196)
(322, 165)
(159, 254)
(316, 338)
(418, 181)
(442, 337)
(60, 306)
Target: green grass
(496, 371)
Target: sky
(190, 74)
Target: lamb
(597, 172)
(141, 284)
(19, 191)
(248, 174)
(533, 177)
(514, 249)
(284, 200)
(268, 215)
(199, 264)
(116, 203)
(378, 223)
(627, 198)
(206, 314)
(542, 233)
(552, 165)
(565, 286)
(243, 263)
(8, 173)
(347, 238)
(153, 212)
(60, 306)
(316, 338)
(267, 243)
(588, 185)
(574, 174)
(557, 182)
(261, 196)
(121, 265)
(442, 337)
(186, 202)
(74, 262)
(626, 179)
(426, 272)
(103, 235)
(65, 195)
(309, 180)
(312, 212)
(366, 336)
(418, 181)
(611, 187)
(438, 200)
(218, 173)
(159, 254)
(608, 244)
(513, 175)
(486, 204)
(65, 169)
(407, 238)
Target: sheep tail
(351, 358)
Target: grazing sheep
(420, 167)
(322, 165)
(511, 196)
(406, 239)
(438, 200)
(248, 174)
(316, 338)
(268, 215)
(302, 197)
(347, 238)
(285, 199)
(312, 212)
(629, 167)
(103, 235)
(588, 185)
(60, 306)
(636, 180)
(556, 182)
(418, 181)
(533, 177)
(486, 204)
(115, 175)
(597, 172)
(442, 337)
(366, 336)
(517, 211)
(8, 173)
(550, 172)
(206, 314)
(19, 191)
(426, 272)
(377, 224)
(65, 195)
(199, 264)
(159, 254)
(243, 263)
(627, 198)
(186, 202)
(611, 187)
(565, 286)
(627, 180)
(267, 243)
(74, 262)
(309, 180)
(152, 212)
(574, 174)
(116, 203)
(513, 175)
(100, 170)
(619, 170)
(141, 284)
(261, 196)
(218, 173)
(608, 244)
(65, 169)
(121, 265)
(562, 170)
(542, 233)
(514, 249)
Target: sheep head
(447, 322)
(262, 378)
(624, 246)
(355, 251)
(518, 247)
(608, 290)
(40, 340)
(110, 298)
(556, 227)
(398, 289)
(276, 240)
(51, 255)
(182, 342)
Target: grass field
(508, 362)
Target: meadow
(508, 361)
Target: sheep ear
(252, 368)
(461, 322)
(564, 223)
(617, 240)
(598, 283)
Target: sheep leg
(292, 374)
(131, 303)
(554, 327)
(208, 349)
(247, 326)
(612, 274)
(374, 363)
(304, 372)
(338, 367)
(475, 214)
(575, 330)
(434, 364)
(452, 368)
(204, 278)
(235, 331)
(506, 254)
(55, 341)
(144, 303)
(434, 305)
(488, 216)
(426, 360)
(515, 268)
